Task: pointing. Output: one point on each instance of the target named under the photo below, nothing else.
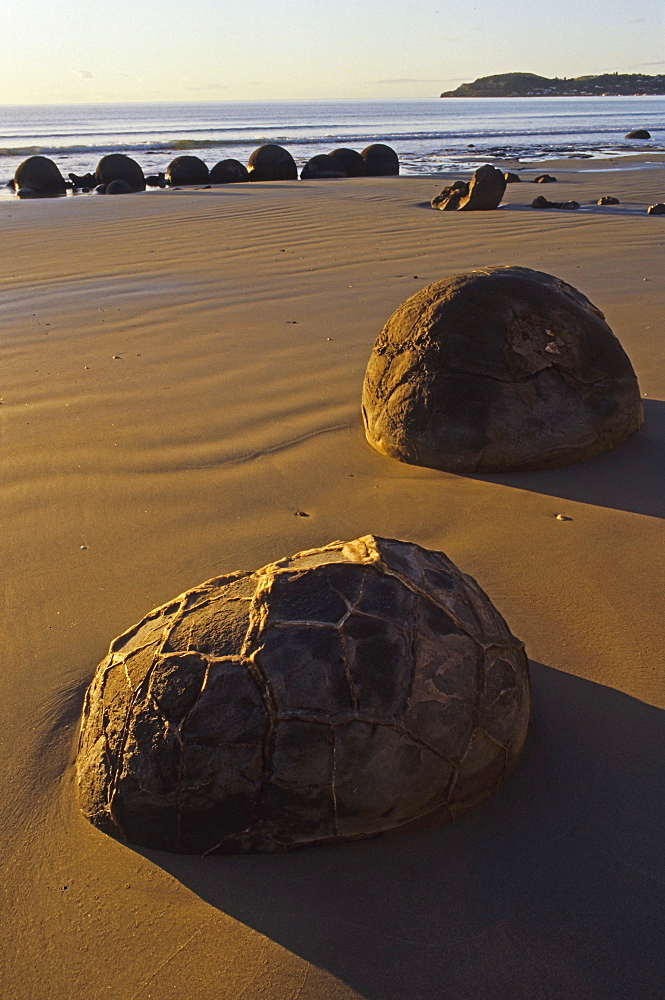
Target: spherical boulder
(119, 167)
(187, 170)
(229, 172)
(41, 177)
(272, 163)
(332, 695)
(351, 161)
(380, 160)
(118, 187)
(499, 369)
(323, 166)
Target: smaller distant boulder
(119, 167)
(41, 177)
(229, 172)
(607, 199)
(449, 198)
(156, 180)
(511, 178)
(118, 187)
(541, 202)
(380, 160)
(351, 161)
(272, 163)
(657, 209)
(639, 133)
(323, 166)
(187, 170)
(544, 179)
(82, 181)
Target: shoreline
(181, 384)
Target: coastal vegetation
(532, 85)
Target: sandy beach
(180, 398)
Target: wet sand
(181, 383)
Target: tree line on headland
(532, 85)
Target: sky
(52, 52)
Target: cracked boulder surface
(498, 370)
(332, 695)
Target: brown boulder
(186, 171)
(657, 209)
(607, 199)
(335, 694)
(118, 167)
(229, 172)
(512, 178)
(351, 161)
(541, 202)
(321, 167)
(380, 160)
(272, 163)
(39, 177)
(497, 370)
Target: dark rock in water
(485, 191)
(511, 178)
(82, 181)
(118, 187)
(42, 176)
(351, 161)
(187, 170)
(156, 180)
(229, 172)
(333, 695)
(639, 133)
(321, 167)
(544, 179)
(495, 370)
(272, 163)
(607, 199)
(449, 198)
(118, 167)
(380, 160)
(541, 202)
(657, 209)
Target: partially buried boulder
(608, 199)
(544, 179)
(335, 694)
(484, 192)
(639, 133)
(118, 187)
(119, 167)
(499, 369)
(272, 163)
(323, 166)
(351, 161)
(229, 172)
(380, 160)
(185, 171)
(512, 178)
(657, 209)
(541, 202)
(39, 177)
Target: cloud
(208, 86)
(84, 74)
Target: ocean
(430, 135)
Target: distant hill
(531, 85)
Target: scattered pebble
(84, 546)
(301, 513)
(116, 357)
(562, 517)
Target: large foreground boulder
(496, 370)
(335, 694)
(272, 163)
(39, 177)
(185, 171)
(229, 172)
(119, 167)
(380, 160)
